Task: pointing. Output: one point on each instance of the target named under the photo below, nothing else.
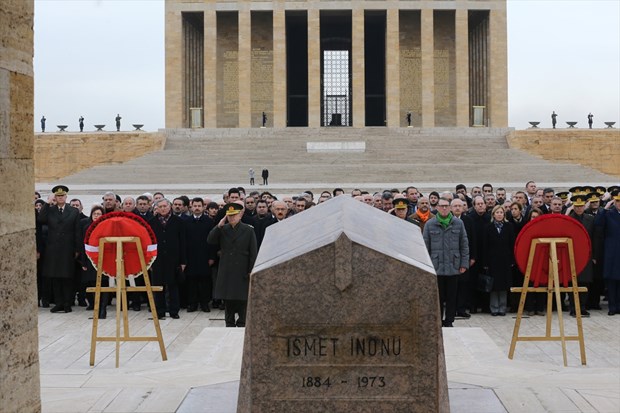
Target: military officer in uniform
(577, 211)
(238, 249)
(401, 205)
(62, 247)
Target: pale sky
(97, 58)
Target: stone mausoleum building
(336, 63)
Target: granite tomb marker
(343, 316)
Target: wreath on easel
(121, 224)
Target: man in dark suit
(200, 258)
(238, 247)
(262, 220)
(548, 195)
(462, 293)
(76, 203)
(171, 252)
(143, 208)
(480, 218)
(62, 247)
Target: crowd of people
(207, 249)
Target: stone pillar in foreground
(19, 357)
(344, 318)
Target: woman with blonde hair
(498, 245)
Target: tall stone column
(428, 68)
(314, 68)
(462, 68)
(210, 68)
(19, 359)
(279, 65)
(174, 67)
(498, 75)
(245, 67)
(392, 72)
(359, 94)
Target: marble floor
(204, 361)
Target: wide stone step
(355, 173)
(221, 158)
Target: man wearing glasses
(447, 245)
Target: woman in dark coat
(498, 246)
(518, 221)
(89, 273)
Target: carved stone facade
(435, 59)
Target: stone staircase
(211, 160)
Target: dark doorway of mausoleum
(297, 68)
(374, 64)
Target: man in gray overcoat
(238, 249)
(446, 241)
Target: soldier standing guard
(118, 122)
(265, 175)
(43, 124)
(554, 119)
(408, 118)
(264, 119)
(590, 119)
(81, 121)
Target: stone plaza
(204, 364)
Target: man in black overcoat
(261, 221)
(200, 258)
(480, 218)
(143, 208)
(170, 262)
(63, 245)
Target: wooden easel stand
(553, 289)
(121, 299)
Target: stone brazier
(343, 316)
